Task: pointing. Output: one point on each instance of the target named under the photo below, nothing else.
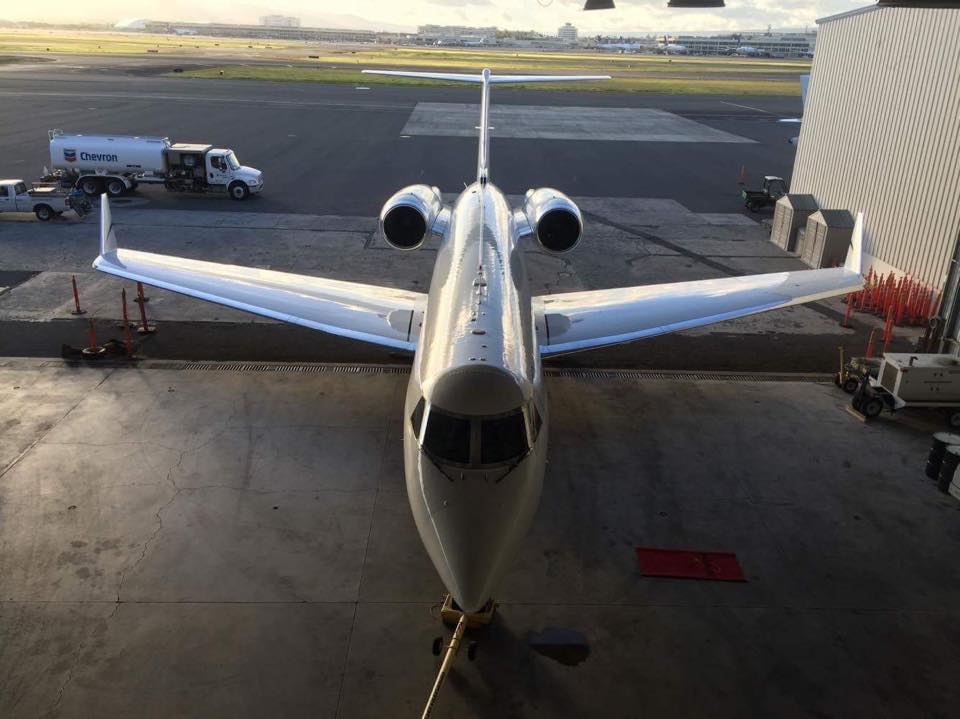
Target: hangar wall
(881, 133)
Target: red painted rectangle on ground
(689, 564)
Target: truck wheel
(115, 188)
(238, 191)
(43, 212)
(953, 418)
(90, 186)
(850, 384)
(872, 407)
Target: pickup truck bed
(45, 201)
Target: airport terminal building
(881, 132)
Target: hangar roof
(917, 5)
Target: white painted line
(563, 123)
(361, 88)
(747, 107)
(363, 107)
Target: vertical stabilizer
(108, 238)
(854, 261)
(483, 154)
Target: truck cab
(203, 168)
(225, 170)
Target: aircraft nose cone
(473, 583)
(473, 550)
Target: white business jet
(476, 421)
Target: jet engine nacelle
(408, 216)
(554, 219)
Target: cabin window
(502, 438)
(447, 437)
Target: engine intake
(408, 216)
(554, 218)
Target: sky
(633, 16)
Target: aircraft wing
(379, 315)
(574, 321)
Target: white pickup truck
(45, 201)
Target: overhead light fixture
(609, 5)
(695, 3)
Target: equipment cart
(912, 380)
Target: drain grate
(294, 368)
(572, 373)
(641, 375)
(582, 373)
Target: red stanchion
(888, 330)
(141, 298)
(742, 176)
(94, 349)
(901, 301)
(869, 350)
(76, 298)
(144, 328)
(127, 341)
(849, 310)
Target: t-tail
(486, 79)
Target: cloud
(630, 15)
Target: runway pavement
(336, 149)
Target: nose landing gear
(452, 615)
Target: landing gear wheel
(239, 191)
(90, 187)
(871, 407)
(43, 212)
(850, 385)
(472, 651)
(115, 188)
(437, 646)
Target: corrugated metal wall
(881, 133)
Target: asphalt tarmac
(339, 149)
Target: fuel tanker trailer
(116, 164)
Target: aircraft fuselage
(475, 425)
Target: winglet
(108, 237)
(854, 261)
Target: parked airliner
(476, 420)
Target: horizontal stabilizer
(493, 79)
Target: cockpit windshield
(477, 441)
(447, 437)
(232, 161)
(502, 438)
